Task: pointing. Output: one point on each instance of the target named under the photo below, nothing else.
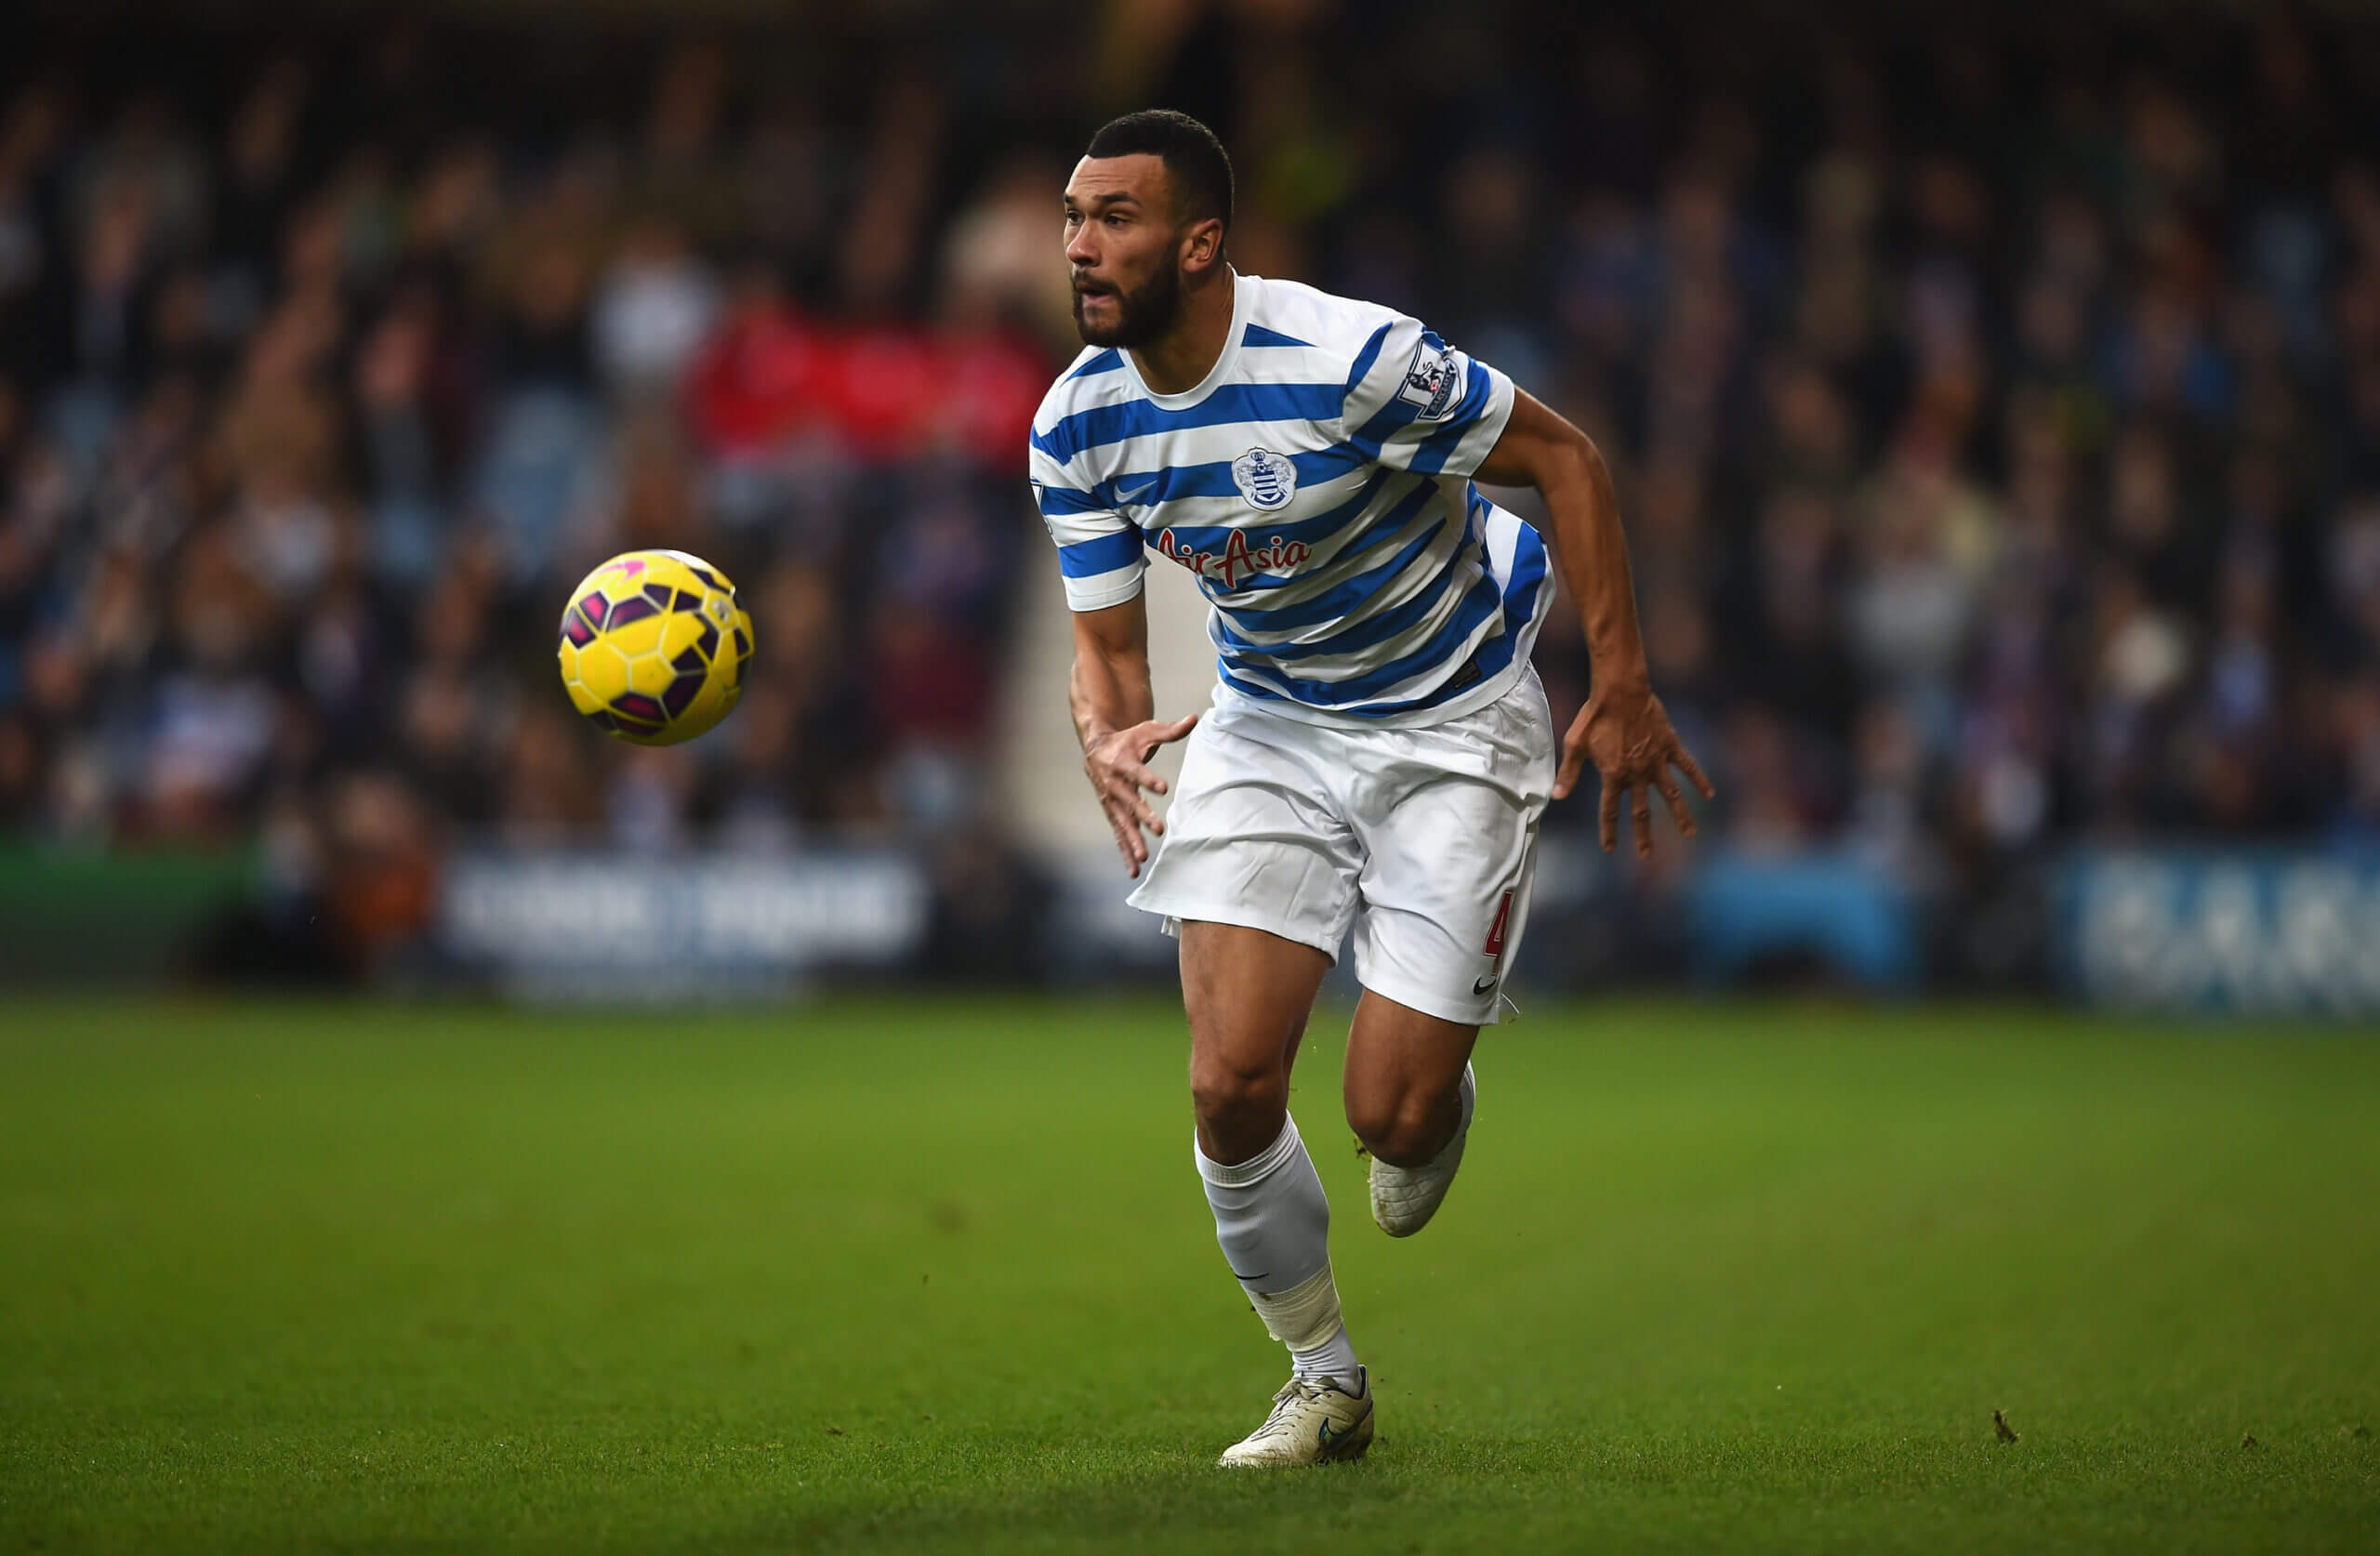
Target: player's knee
(1372, 1113)
(1238, 1104)
(1402, 1129)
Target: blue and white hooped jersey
(1318, 484)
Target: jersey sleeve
(1100, 557)
(1416, 404)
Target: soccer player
(1380, 749)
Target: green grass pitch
(916, 1275)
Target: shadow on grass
(1148, 1496)
(1440, 1491)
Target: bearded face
(1108, 313)
(1124, 248)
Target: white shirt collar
(1243, 299)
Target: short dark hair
(1196, 167)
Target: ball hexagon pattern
(654, 646)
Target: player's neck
(1179, 361)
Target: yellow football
(654, 646)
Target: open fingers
(1643, 813)
(1678, 812)
(1574, 761)
(1610, 818)
(1146, 737)
(1126, 801)
(1684, 761)
(1128, 840)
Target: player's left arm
(1623, 729)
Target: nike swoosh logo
(1124, 497)
(1327, 1440)
(1483, 985)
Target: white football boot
(1405, 1198)
(1314, 1421)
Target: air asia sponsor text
(1240, 560)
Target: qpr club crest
(1267, 479)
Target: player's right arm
(1100, 558)
(1114, 718)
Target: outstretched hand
(1628, 737)
(1117, 766)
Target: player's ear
(1202, 245)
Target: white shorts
(1422, 840)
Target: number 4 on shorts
(1496, 930)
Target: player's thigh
(1248, 994)
(1450, 842)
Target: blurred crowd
(318, 392)
(1995, 412)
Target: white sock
(1334, 1359)
(1273, 1223)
